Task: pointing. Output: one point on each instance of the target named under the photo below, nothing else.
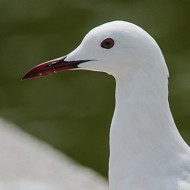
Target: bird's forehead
(105, 31)
(115, 29)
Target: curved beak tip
(52, 66)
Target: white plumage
(146, 149)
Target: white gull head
(146, 149)
(116, 48)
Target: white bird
(146, 149)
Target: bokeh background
(72, 111)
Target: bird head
(115, 47)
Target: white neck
(143, 137)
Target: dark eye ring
(107, 43)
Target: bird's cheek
(92, 66)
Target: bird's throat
(141, 127)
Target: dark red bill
(52, 66)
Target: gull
(147, 151)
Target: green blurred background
(72, 110)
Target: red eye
(108, 43)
